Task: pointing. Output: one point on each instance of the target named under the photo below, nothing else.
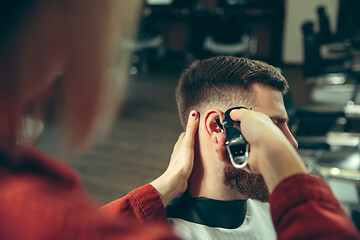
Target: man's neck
(208, 181)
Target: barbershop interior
(315, 44)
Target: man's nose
(291, 138)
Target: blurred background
(314, 43)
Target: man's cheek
(221, 150)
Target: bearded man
(223, 202)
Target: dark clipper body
(236, 145)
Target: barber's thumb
(238, 114)
(192, 125)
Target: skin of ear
(216, 135)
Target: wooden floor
(140, 144)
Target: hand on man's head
(174, 180)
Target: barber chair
(149, 46)
(227, 38)
(152, 43)
(330, 63)
(331, 66)
(228, 35)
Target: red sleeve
(42, 198)
(303, 207)
(143, 203)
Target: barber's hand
(259, 131)
(271, 153)
(175, 179)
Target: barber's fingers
(175, 179)
(238, 114)
(254, 125)
(186, 139)
(191, 128)
(243, 116)
(250, 117)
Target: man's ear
(214, 131)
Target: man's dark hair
(218, 79)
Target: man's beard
(248, 184)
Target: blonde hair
(88, 42)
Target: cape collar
(208, 212)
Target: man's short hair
(222, 80)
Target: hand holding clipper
(236, 145)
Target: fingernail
(193, 114)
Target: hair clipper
(236, 145)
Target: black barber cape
(208, 212)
